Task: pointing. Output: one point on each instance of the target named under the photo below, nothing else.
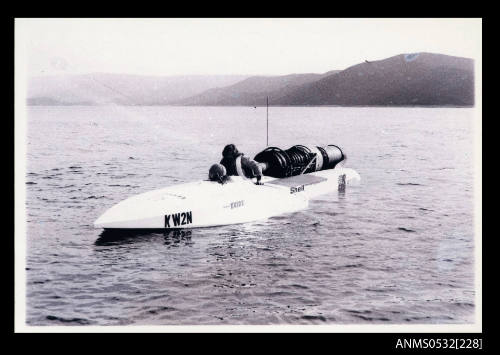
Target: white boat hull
(207, 203)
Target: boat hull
(206, 203)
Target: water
(396, 249)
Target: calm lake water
(398, 248)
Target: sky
(232, 46)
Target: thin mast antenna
(267, 121)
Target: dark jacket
(250, 167)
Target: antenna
(267, 121)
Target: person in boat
(218, 173)
(236, 164)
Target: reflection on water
(171, 237)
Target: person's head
(230, 151)
(217, 173)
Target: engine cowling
(298, 159)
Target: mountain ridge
(416, 79)
(406, 79)
(121, 89)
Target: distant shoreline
(404, 80)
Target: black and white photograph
(248, 175)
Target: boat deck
(303, 179)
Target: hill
(406, 79)
(418, 79)
(122, 89)
(424, 79)
(252, 91)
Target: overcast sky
(233, 46)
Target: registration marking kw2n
(178, 219)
